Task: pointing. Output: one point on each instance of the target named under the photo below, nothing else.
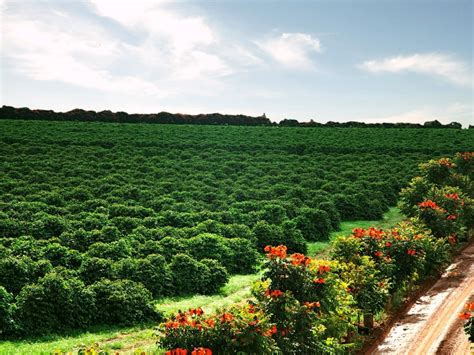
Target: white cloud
(457, 111)
(153, 50)
(293, 50)
(441, 65)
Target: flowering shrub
(239, 329)
(301, 305)
(442, 196)
(469, 325)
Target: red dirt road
(431, 325)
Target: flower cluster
(429, 204)
(467, 314)
(196, 351)
(300, 259)
(276, 252)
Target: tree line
(24, 113)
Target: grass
(137, 339)
(390, 218)
(236, 290)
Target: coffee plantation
(100, 219)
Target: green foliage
(314, 224)
(104, 200)
(122, 302)
(287, 234)
(7, 311)
(54, 304)
(215, 276)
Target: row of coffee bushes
(47, 287)
(313, 306)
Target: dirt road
(431, 325)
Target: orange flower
(319, 281)
(465, 315)
(276, 293)
(171, 324)
(470, 306)
(226, 317)
(429, 204)
(452, 239)
(378, 254)
(271, 331)
(375, 233)
(276, 252)
(445, 162)
(211, 322)
(297, 259)
(201, 351)
(467, 155)
(177, 351)
(358, 232)
(453, 196)
(312, 305)
(324, 268)
(411, 252)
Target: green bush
(287, 234)
(7, 310)
(122, 302)
(243, 256)
(314, 224)
(188, 276)
(214, 278)
(54, 304)
(94, 269)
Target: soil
(431, 325)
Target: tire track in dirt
(432, 320)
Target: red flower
(171, 324)
(388, 244)
(452, 239)
(411, 252)
(465, 315)
(358, 232)
(452, 217)
(429, 204)
(324, 268)
(276, 293)
(201, 351)
(226, 317)
(297, 259)
(177, 351)
(276, 252)
(470, 306)
(375, 233)
(378, 254)
(319, 281)
(453, 196)
(312, 305)
(267, 292)
(445, 162)
(467, 155)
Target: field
(100, 223)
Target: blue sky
(374, 61)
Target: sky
(372, 61)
